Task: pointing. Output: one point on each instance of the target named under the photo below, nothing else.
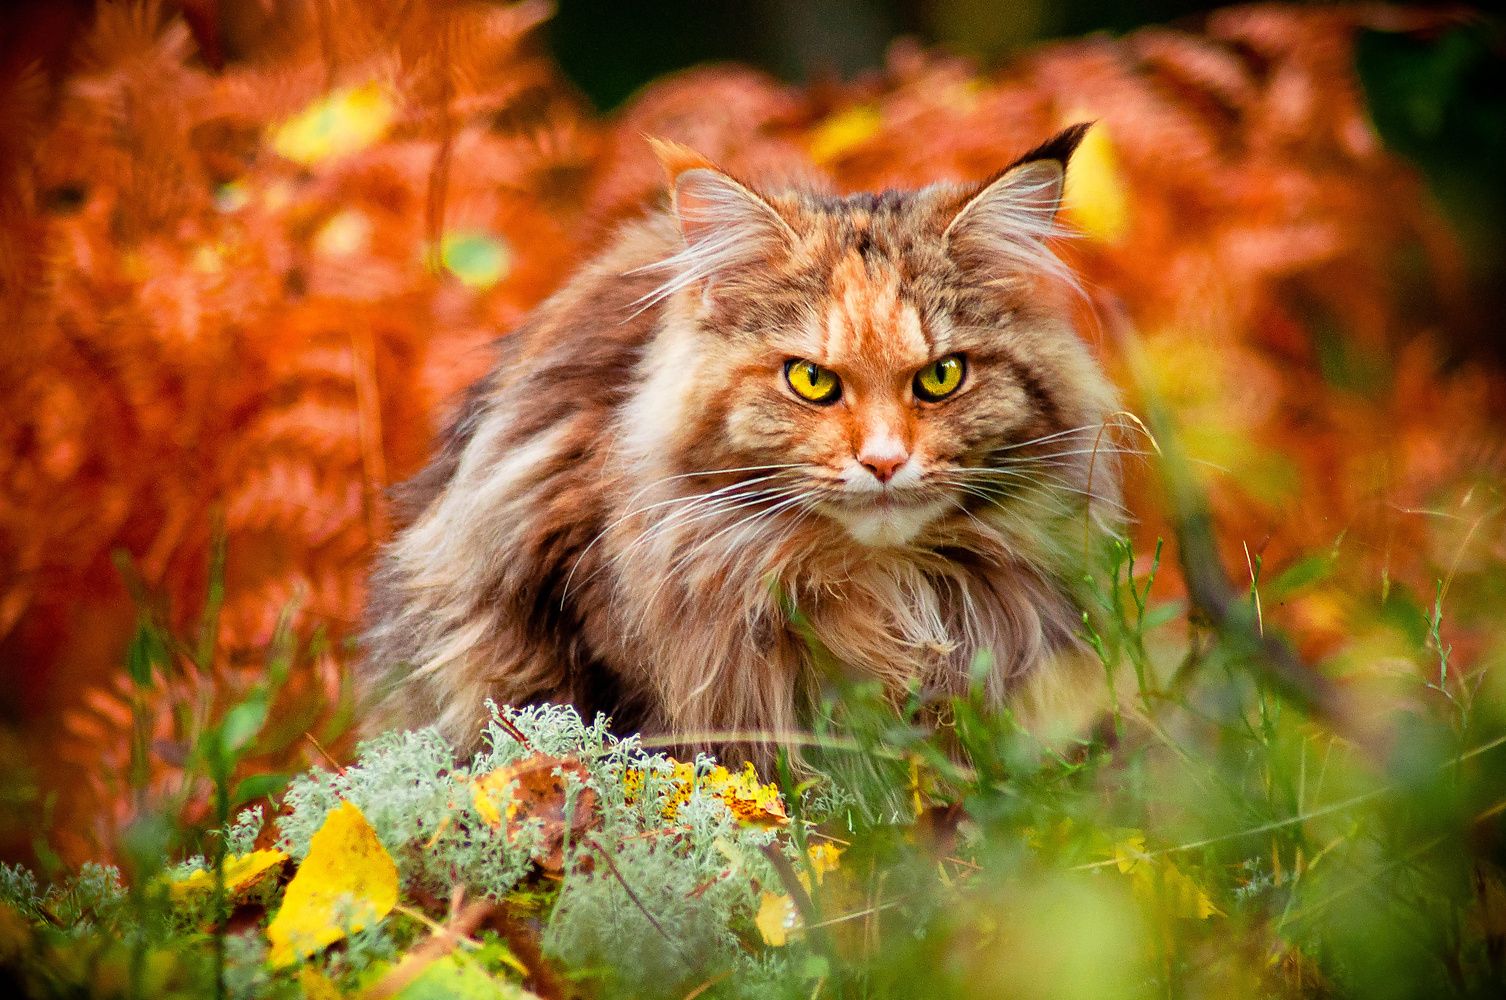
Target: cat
(759, 425)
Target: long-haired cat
(762, 423)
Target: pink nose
(883, 465)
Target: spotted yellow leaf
(750, 800)
(347, 882)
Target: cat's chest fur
(750, 645)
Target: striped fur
(629, 505)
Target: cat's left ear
(1013, 216)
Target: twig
(339, 768)
(444, 939)
(524, 946)
(514, 732)
(606, 856)
(706, 986)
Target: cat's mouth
(886, 517)
(885, 500)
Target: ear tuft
(726, 225)
(676, 158)
(1008, 223)
(1059, 147)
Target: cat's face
(879, 360)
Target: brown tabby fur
(631, 503)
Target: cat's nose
(883, 463)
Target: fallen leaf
(347, 882)
(750, 800)
(824, 857)
(777, 919)
(244, 873)
(844, 132)
(317, 986)
(536, 791)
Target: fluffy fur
(634, 505)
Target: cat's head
(881, 360)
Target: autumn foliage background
(250, 253)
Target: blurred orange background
(251, 253)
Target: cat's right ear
(726, 224)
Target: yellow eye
(940, 378)
(811, 382)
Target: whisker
(1057, 483)
(997, 498)
(695, 503)
(710, 472)
(675, 567)
(1100, 450)
(702, 512)
(722, 506)
(1084, 429)
(691, 499)
(782, 505)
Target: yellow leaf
(344, 121)
(347, 882)
(750, 800)
(317, 986)
(1157, 882)
(825, 857)
(484, 796)
(243, 873)
(777, 919)
(1183, 897)
(538, 791)
(1095, 198)
(843, 132)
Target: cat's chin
(886, 525)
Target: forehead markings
(868, 320)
